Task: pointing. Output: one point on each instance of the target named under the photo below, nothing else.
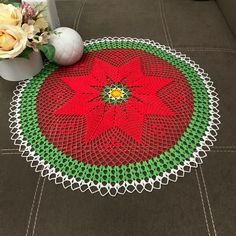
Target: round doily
(130, 115)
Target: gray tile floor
(201, 203)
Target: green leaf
(16, 4)
(48, 50)
(13, 2)
(26, 53)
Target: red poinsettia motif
(128, 115)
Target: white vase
(20, 68)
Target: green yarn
(166, 161)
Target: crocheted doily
(130, 115)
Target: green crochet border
(180, 152)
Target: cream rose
(30, 30)
(13, 41)
(41, 23)
(10, 15)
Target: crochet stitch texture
(131, 115)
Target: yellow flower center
(116, 93)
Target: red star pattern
(128, 116)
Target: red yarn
(128, 116)
(74, 117)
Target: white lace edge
(120, 188)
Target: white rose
(10, 15)
(13, 41)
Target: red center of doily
(101, 116)
(76, 118)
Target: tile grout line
(203, 205)
(32, 206)
(166, 25)
(3, 149)
(39, 202)
(162, 22)
(224, 146)
(199, 186)
(198, 49)
(76, 18)
(79, 15)
(223, 151)
(208, 201)
(42, 188)
(12, 153)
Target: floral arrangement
(24, 29)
